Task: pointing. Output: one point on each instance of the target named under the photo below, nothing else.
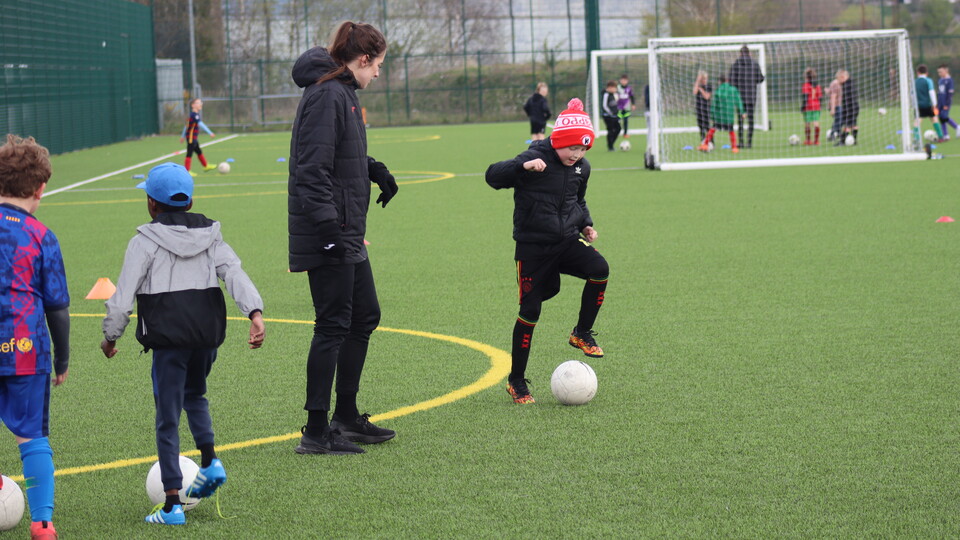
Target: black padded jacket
(549, 206)
(328, 166)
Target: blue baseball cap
(170, 184)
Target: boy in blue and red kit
(192, 133)
(945, 98)
(553, 231)
(172, 268)
(33, 296)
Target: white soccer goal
(610, 64)
(880, 88)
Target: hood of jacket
(316, 63)
(182, 233)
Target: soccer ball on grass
(573, 383)
(849, 141)
(11, 504)
(794, 140)
(625, 145)
(881, 111)
(223, 168)
(188, 468)
(930, 135)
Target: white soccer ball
(11, 504)
(223, 168)
(710, 146)
(794, 140)
(882, 111)
(188, 468)
(930, 135)
(625, 145)
(573, 383)
(849, 141)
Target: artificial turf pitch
(780, 355)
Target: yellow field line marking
(438, 177)
(499, 368)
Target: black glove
(386, 181)
(331, 239)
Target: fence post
(406, 81)
(479, 85)
(263, 114)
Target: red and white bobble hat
(573, 127)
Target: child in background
(702, 91)
(726, 107)
(835, 91)
(33, 288)
(538, 111)
(945, 99)
(626, 103)
(926, 103)
(553, 231)
(171, 268)
(849, 108)
(192, 133)
(812, 92)
(611, 114)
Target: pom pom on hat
(572, 127)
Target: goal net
(609, 65)
(782, 81)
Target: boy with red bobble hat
(553, 231)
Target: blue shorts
(25, 404)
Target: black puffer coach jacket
(328, 166)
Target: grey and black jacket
(549, 206)
(329, 167)
(172, 267)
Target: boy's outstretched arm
(257, 330)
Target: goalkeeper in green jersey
(726, 107)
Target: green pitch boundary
(499, 368)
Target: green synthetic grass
(781, 356)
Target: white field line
(130, 168)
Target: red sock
(817, 131)
(186, 163)
(733, 140)
(806, 133)
(709, 138)
(203, 160)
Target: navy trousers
(179, 383)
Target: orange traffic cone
(102, 290)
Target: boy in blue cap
(172, 267)
(33, 296)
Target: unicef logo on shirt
(23, 345)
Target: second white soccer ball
(850, 140)
(625, 145)
(11, 504)
(881, 111)
(188, 468)
(930, 135)
(573, 383)
(223, 168)
(794, 140)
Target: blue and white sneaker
(208, 480)
(173, 517)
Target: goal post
(791, 128)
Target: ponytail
(351, 41)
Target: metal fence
(77, 73)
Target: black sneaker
(329, 442)
(362, 430)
